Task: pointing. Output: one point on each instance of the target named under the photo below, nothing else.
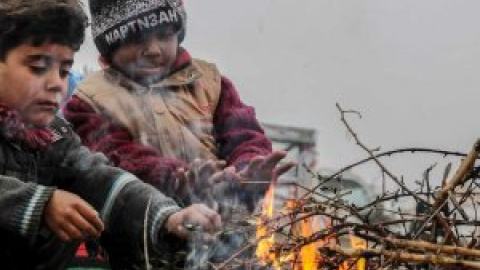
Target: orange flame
(356, 243)
(359, 243)
(308, 254)
(266, 243)
(308, 257)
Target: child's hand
(200, 175)
(266, 168)
(196, 217)
(70, 217)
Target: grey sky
(409, 66)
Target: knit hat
(114, 21)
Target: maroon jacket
(237, 132)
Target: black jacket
(29, 177)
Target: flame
(359, 243)
(308, 254)
(356, 243)
(266, 243)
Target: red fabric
(82, 251)
(182, 60)
(100, 134)
(238, 134)
(13, 128)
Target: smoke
(234, 201)
(207, 251)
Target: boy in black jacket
(53, 191)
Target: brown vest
(174, 116)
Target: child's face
(149, 59)
(34, 79)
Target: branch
(402, 256)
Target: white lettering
(173, 15)
(109, 38)
(153, 20)
(116, 35)
(146, 22)
(132, 26)
(124, 30)
(163, 17)
(142, 24)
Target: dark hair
(37, 22)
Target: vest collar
(186, 76)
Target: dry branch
(402, 256)
(433, 235)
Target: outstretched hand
(200, 174)
(72, 218)
(266, 168)
(197, 217)
(210, 183)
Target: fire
(356, 243)
(266, 243)
(359, 243)
(308, 255)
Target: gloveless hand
(266, 168)
(195, 217)
(72, 218)
(200, 175)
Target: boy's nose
(55, 82)
(153, 47)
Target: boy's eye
(64, 73)
(165, 35)
(38, 70)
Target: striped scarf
(14, 129)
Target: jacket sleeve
(22, 205)
(99, 133)
(238, 132)
(121, 199)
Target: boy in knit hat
(164, 116)
(54, 191)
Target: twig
(403, 256)
(375, 159)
